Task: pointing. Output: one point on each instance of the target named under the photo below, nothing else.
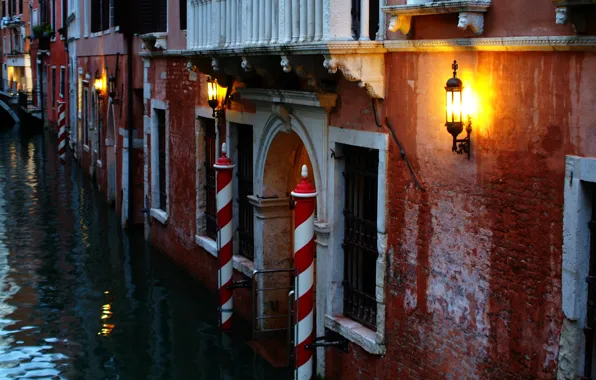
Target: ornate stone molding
(531, 43)
(215, 64)
(311, 99)
(285, 64)
(471, 13)
(366, 69)
(246, 66)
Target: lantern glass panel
(457, 107)
(449, 115)
(212, 89)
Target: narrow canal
(81, 299)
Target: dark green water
(80, 299)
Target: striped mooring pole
(62, 130)
(304, 263)
(224, 168)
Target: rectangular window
(210, 207)
(244, 176)
(182, 8)
(113, 13)
(105, 14)
(62, 81)
(95, 16)
(162, 144)
(54, 86)
(3, 8)
(153, 16)
(20, 6)
(360, 234)
(35, 18)
(86, 116)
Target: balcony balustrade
(233, 24)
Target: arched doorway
(111, 148)
(281, 172)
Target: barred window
(244, 175)
(360, 234)
(210, 189)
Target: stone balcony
(219, 29)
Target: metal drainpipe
(129, 51)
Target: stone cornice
(438, 7)
(530, 43)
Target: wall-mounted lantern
(112, 87)
(98, 85)
(454, 115)
(217, 97)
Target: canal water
(81, 299)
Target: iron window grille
(360, 234)
(244, 175)
(161, 130)
(591, 309)
(210, 208)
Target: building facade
(428, 263)
(15, 27)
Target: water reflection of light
(13, 156)
(106, 314)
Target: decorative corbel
(285, 64)
(401, 23)
(472, 20)
(215, 64)
(191, 67)
(561, 15)
(246, 66)
(366, 69)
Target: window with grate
(210, 207)
(591, 307)
(360, 234)
(62, 81)
(161, 131)
(245, 180)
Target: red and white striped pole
(304, 263)
(224, 168)
(62, 130)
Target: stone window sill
(86, 148)
(207, 244)
(355, 333)
(240, 263)
(159, 215)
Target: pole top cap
(304, 189)
(224, 161)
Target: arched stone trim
(274, 125)
(10, 111)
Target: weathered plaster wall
(474, 285)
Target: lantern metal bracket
(464, 146)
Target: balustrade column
(190, 27)
(275, 22)
(364, 20)
(228, 22)
(318, 20)
(210, 26)
(261, 38)
(235, 14)
(221, 39)
(295, 20)
(247, 27)
(311, 20)
(200, 22)
(267, 31)
(255, 21)
(287, 37)
(303, 20)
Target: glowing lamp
(454, 113)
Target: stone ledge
(355, 333)
(240, 263)
(159, 215)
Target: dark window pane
(161, 125)
(182, 14)
(245, 179)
